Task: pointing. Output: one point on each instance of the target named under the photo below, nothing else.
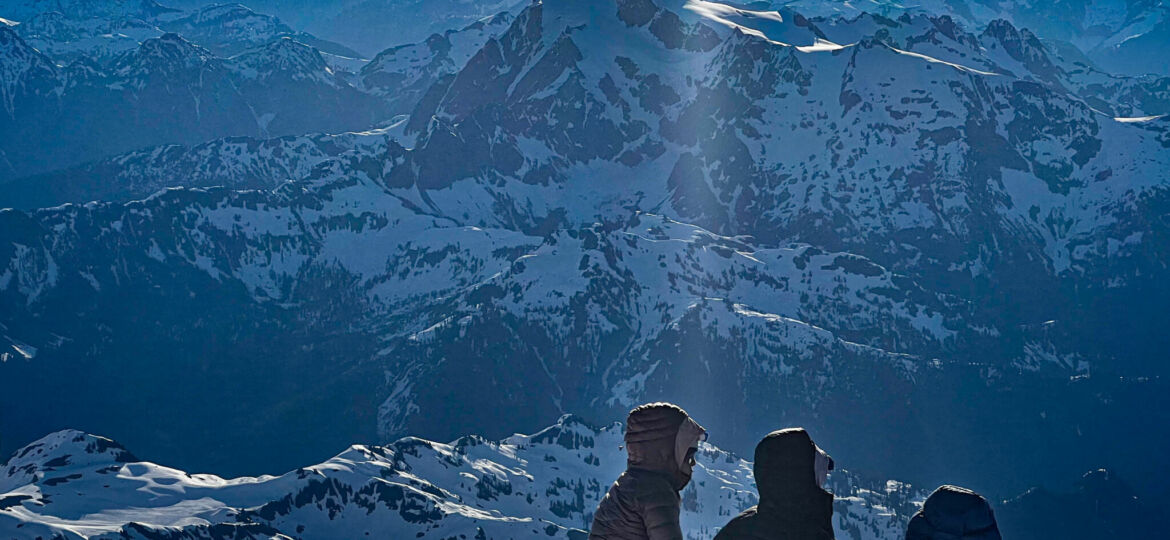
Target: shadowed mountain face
(941, 250)
(166, 90)
(1099, 505)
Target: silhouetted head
(953, 513)
(661, 437)
(786, 467)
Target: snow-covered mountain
(290, 83)
(99, 30)
(1122, 36)
(66, 39)
(608, 314)
(229, 29)
(981, 181)
(371, 26)
(71, 484)
(1005, 49)
(403, 74)
(399, 78)
(542, 485)
(166, 90)
(912, 238)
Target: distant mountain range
(942, 248)
(371, 26)
(80, 91)
(87, 83)
(224, 70)
(1121, 36)
(68, 30)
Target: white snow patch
(937, 61)
(27, 351)
(1138, 119)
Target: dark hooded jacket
(792, 505)
(643, 504)
(953, 513)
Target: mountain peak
(171, 47)
(1022, 46)
(284, 57)
(167, 54)
(234, 18)
(22, 69)
(68, 448)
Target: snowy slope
(790, 138)
(613, 294)
(544, 484)
(236, 163)
(627, 200)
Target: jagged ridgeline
(940, 250)
(543, 485)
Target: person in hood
(790, 471)
(643, 503)
(954, 513)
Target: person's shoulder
(738, 526)
(648, 480)
(651, 488)
(745, 516)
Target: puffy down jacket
(643, 504)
